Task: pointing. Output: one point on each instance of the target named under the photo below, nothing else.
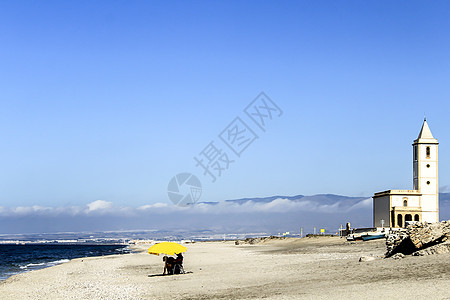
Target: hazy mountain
(444, 198)
(270, 215)
(328, 199)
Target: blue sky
(108, 100)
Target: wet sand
(309, 268)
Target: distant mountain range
(339, 202)
(268, 215)
(323, 199)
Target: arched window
(399, 220)
(428, 152)
(416, 218)
(405, 202)
(408, 217)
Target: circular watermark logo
(184, 189)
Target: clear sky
(108, 100)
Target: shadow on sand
(157, 275)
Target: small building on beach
(393, 208)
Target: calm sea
(16, 259)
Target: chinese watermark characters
(185, 189)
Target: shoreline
(319, 268)
(25, 263)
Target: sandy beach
(308, 268)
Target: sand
(309, 268)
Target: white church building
(393, 208)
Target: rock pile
(420, 238)
(258, 240)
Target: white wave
(58, 262)
(43, 265)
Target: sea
(16, 259)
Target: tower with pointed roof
(394, 208)
(425, 166)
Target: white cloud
(99, 205)
(281, 205)
(26, 210)
(444, 189)
(150, 206)
(102, 207)
(275, 215)
(71, 210)
(362, 204)
(227, 215)
(96, 206)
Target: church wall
(425, 168)
(429, 203)
(397, 200)
(381, 211)
(428, 172)
(428, 181)
(429, 189)
(429, 216)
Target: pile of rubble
(258, 240)
(420, 238)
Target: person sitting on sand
(178, 265)
(168, 265)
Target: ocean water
(16, 259)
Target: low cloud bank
(278, 215)
(257, 215)
(102, 207)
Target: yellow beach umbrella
(168, 248)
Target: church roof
(425, 132)
(425, 135)
(398, 192)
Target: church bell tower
(425, 173)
